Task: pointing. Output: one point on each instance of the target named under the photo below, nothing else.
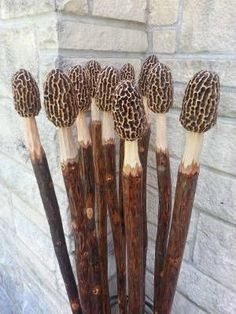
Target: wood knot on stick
(89, 212)
(96, 290)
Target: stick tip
(25, 94)
(93, 69)
(127, 72)
(147, 65)
(59, 99)
(128, 112)
(108, 79)
(200, 103)
(79, 79)
(160, 88)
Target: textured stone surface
(133, 10)
(73, 6)
(201, 30)
(215, 250)
(206, 292)
(182, 305)
(17, 8)
(164, 41)
(163, 12)
(14, 54)
(183, 70)
(100, 37)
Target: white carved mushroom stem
(83, 133)
(193, 148)
(67, 144)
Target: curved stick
(116, 222)
(99, 171)
(143, 145)
(87, 173)
(132, 196)
(164, 216)
(184, 197)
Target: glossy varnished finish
(87, 175)
(74, 188)
(164, 217)
(116, 222)
(48, 196)
(143, 146)
(133, 209)
(184, 197)
(101, 208)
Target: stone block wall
(186, 35)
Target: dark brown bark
(87, 172)
(184, 197)
(164, 217)
(75, 192)
(116, 223)
(133, 209)
(101, 206)
(48, 196)
(121, 160)
(143, 155)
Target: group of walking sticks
(88, 165)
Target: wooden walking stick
(127, 72)
(61, 110)
(144, 141)
(198, 115)
(159, 100)
(27, 104)
(107, 81)
(77, 75)
(130, 123)
(93, 69)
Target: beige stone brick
(18, 8)
(79, 7)
(75, 35)
(163, 12)
(164, 41)
(133, 10)
(208, 26)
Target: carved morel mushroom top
(77, 75)
(107, 82)
(59, 99)
(26, 94)
(160, 89)
(147, 65)
(93, 69)
(127, 72)
(200, 103)
(128, 111)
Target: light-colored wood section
(192, 150)
(68, 147)
(161, 133)
(147, 111)
(84, 138)
(132, 164)
(108, 134)
(95, 112)
(33, 139)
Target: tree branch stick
(49, 199)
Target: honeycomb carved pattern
(127, 72)
(93, 68)
(79, 79)
(25, 94)
(128, 111)
(59, 99)
(147, 65)
(107, 82)
(200, 103)
(160, 89)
